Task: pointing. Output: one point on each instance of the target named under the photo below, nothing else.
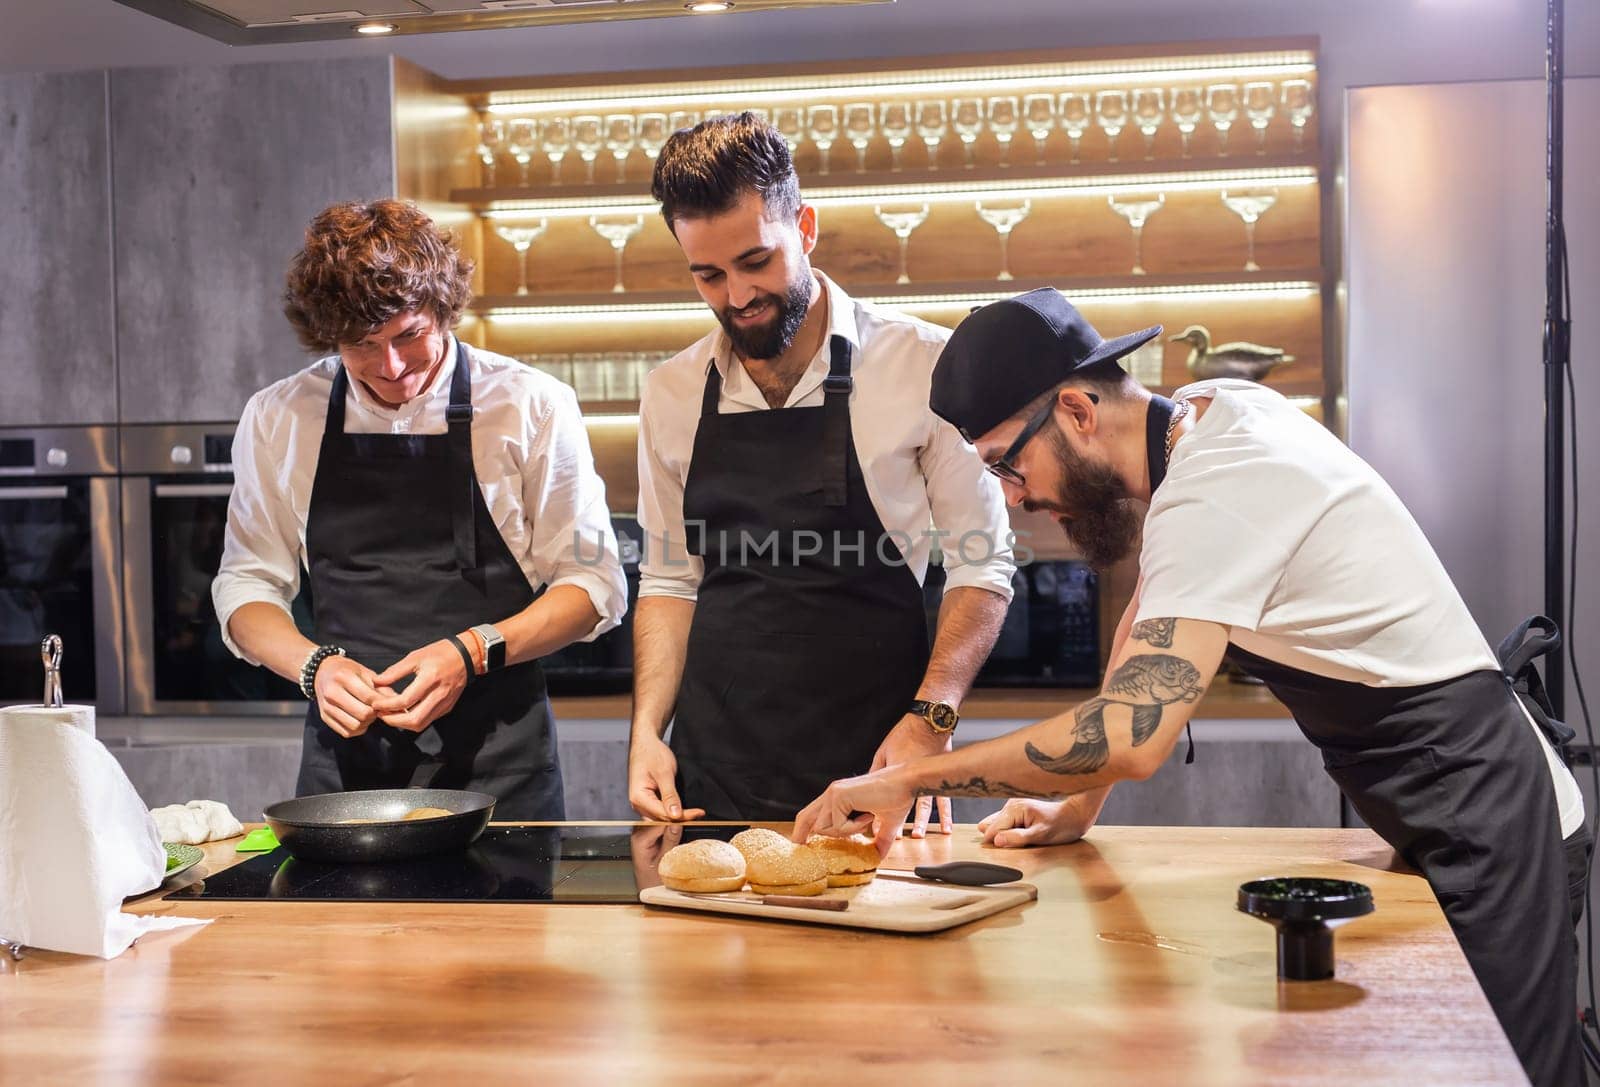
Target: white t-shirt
(1270, 525)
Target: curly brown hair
(362, 264)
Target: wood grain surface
(1133, 967)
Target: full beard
(769, 340)
(1103, 523)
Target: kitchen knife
(799, 902)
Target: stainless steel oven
(60, 562)
(176, 481)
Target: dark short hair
(706, 170)
(364, 264)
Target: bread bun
(851, 861)
(703, 866)
(815, 887)
(777, 866)
(756, 839)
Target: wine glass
(895, 124)
(1039, 112)
(1149, 110)
(1003, 122)
(966, 117)
(653, 132)
(1004, 220)
(520, 143)
(1187, 109)
(618, 230)
(1075, 118)
(1259, 106)
(1297, 104)
(860, 123)
(1111, 110)
(790, 121)
(620, 135)
(680, 119)
(823, 122)
(902, 223)
(588, 136)
(491, 137)
(1222, 102)
(521, 239)
(1137, 209)
(555, 139)
(1250, 205)
(932, 124)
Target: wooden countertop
(1132, 967)
(1223, 701)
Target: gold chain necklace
(1178, 413)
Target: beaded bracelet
(308, 670)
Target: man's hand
(346, 693)
(438, 676)
(913, 738)
(652, 773)
(1023, 823)
(877, 801)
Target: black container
(1305, 911)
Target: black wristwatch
(941, 716)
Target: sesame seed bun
(851, 861)
(758, 839)
(704, 866)
(815, 887)
(778, 862)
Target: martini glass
(1137, 209)
(902, 222)
(619, 231)
(1250, 205)
(521, 239)
(1004, 220)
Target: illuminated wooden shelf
(947, 184)
(1299, 282)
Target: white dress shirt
(529, 449)
(919, 471)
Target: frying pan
(312, 828)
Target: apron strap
(836, 424)
(712, 396)
(333, 421)
(1533, 638)
(458, 417)
(1156, 420)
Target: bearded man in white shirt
(789, 470)
(444, 502)
(1269, 541)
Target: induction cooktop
(556, 864)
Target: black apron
(809, 638)
(1452, 777)
(402, 551)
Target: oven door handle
(23, 494)
(193, 490)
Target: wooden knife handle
(802, 902)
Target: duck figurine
(1249, 361)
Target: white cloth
(196, 822)
(1270, 525)
(919, 472)
(75, 840)
(529, 448)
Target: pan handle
(422, 777)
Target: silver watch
(494, 647)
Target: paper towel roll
(78, 717)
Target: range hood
(268, 22)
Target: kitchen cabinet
(56, 336)
(216, 172)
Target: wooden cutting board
(888, 904)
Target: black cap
(1011, 351)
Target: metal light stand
(1557, 357)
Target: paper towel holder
(50, 651)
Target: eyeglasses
(1004, 467)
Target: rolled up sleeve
(969, 510)
(261, 548)
(572, 542)
(666, 569)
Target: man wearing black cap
(1270, 542)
